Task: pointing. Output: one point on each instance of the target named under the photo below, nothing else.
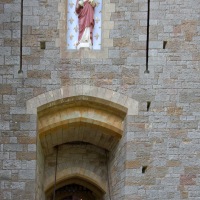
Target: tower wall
(165, 138)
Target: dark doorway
(74, 192)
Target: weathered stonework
(165, 138)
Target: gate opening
(74, 192)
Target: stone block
(1, 60)
(26, 155)
(12, 60)
(11, 42)
(26, 174)
(114, 53)
(31, 164)
(12, 147)
(28, 126)
(4, 155)
(18, 185)
(5, 17)
(28, 10)
(46, 74)
(17, 110)
(26, 140)
(134, 164)
(31, 20)
(121, 42)
(11, 164)
(5, 174)
(136, 60)
(111, 7)
(13, 139)
(11, 8)
(4, 125)
(5, 51)
(108, 25)
(188, 179)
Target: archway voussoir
(79, 90)
(100, 93)
(108, 95)
(58, 94)
(42, 99)
(72, 91)
(122, 100)
(49, 96)
(65, 92)
(86, 90)
(115, 96)
(32, 105)
(93, 91)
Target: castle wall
(165, 138)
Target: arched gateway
(80, 126)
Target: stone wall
(165, 138)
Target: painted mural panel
(73, 25)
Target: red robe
(85, 18)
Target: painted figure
(85, 11)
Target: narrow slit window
(148, 105)
(144, 168)
(164, 44)
(42, 45)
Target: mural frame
(106, 42)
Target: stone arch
(77, 175)
(98, 112)
(78, 113)
(78, 163)
(97, 94)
